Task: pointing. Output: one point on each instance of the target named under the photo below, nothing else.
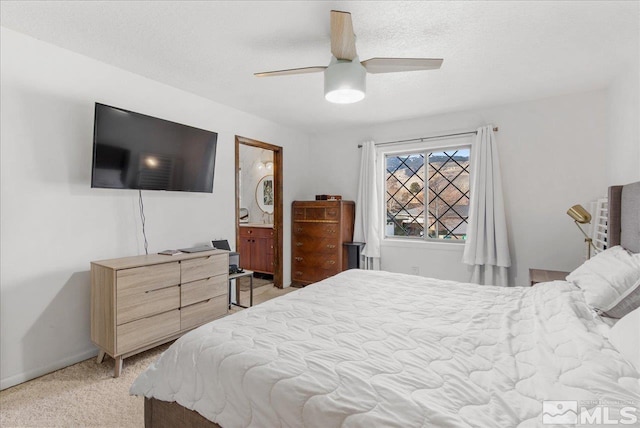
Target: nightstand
(542, 275)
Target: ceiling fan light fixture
(345, 81)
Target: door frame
(278, 221)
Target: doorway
(259, 210)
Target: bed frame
(165, 414)
(623, 229)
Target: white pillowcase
(607, 276)
(625, 336)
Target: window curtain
(367, 222)
(486, 247)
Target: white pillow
(625, 336)
(607, 276)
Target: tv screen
(136, 151)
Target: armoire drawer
(203, 268)
(317, 212)
(197, 291)
(311, 275)
(136, 334)
(316, 230)
(145, 303)
(200, 313)
(302, 261)
(310, 244)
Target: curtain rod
(428, 138)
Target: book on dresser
(141, 302)
(319, 231)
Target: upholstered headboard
(623, 227)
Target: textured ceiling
(494, 52)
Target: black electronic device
(136, 151)
(235, 269)
(221, 244)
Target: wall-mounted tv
(136, 151)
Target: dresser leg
(100, 358)
(117, 368)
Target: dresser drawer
(204, 267)
(317, 212)
(316, 230)
(298, 213)
(309, 245)
(255, 232)
(203, 312)
(141, 279)
(310, 274)
(197, 291)
(143, 304)
(136, 334)
(328, 263)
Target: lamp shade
(579, 214)
(344, 81)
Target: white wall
(623, 159)
(552, 156)
(53, 224)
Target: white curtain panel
(486, 247)
(367, 222)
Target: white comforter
(375, 349)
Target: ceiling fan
(345, 76)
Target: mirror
(264, 194)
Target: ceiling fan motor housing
(345, 81)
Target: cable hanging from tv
(143, 219)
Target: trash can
(353, 254)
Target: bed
(377, 349)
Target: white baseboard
(32, 374)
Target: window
(427, 193)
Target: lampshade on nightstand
(582, 216)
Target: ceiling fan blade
(303, 70)
(391, 65)
(343, 41)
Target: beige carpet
(86, 394)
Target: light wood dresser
(319, 230)
(140, 302)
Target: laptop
(222, 244)
(196, 249)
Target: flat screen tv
(136, 151)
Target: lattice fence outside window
(441, 175)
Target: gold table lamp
(582, 216)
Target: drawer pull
(299, 229)
(298, 244)
(161, 288)
(331, 246)
(332, 262)
(299, 259)
(298, 273)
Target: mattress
(377, 349)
